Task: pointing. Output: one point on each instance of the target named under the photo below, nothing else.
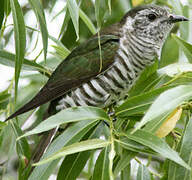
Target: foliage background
(162, 94)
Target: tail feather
(41, 98)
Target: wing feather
(79, 67)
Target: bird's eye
(152, 17)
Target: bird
(101, 71)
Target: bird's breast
(108, 87)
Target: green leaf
(126, 173)
(2, 13)
(109, 6)
(7, 8)
(124, 161)
(65, 24)
(101, 169)
(23, 151)
(139, 104)
(69, 115)
(147, 79)
(176, 68)
(143, 173)
(59, 44)
(22, 145)
(4, 96)
(71, 135)
(38, 9)
(20, 39)
(170, 52)
(133, 146)
(2, 125)
(178, 172)
(186, 47)
(73, 164)
(74, 13)
(156, 144)
(164, 105)
(177, 6)
(8, 59)
(100, 10)
(87, 21)
(74, 148)
(61, 51)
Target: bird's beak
(176, 18)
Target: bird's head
(150, 22)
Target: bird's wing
(80, 66)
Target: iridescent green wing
(80, 66)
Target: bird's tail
(47, 137)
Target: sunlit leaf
(101, 169)
(100, 10)
(74, 148)
(67, 116)
(137, 2)
(87, 21)
(72, 134)
(61, 51)
(7, 8)
(20, 39)
(39, 12)
(74, 13)
(2, 13)
(73, 164)
(170, 123)
(139, 104)
(186, 47)
(178, 172)
(8, 59)
(156, 144)
(125, 159)
(143, 173)
(176, 68)
(170, 52)
(164, 105)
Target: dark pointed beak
(176, 18)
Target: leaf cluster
(94, 146)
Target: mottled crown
(149, 23)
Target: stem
(3, 28)
(112, 151)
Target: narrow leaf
(73, 164)
(2, 13)
(186, 47)
(8, 59)
(170, 52)
(71, 135)
(124, 161)
(170, 123)
(38, 9)
(69, 115)
(74, 13)
(61, 51)
(164, 105)
(22, 145)
(101, 169)
(143, 173)
(20, 39)
(156, 144)
(176, 68)
(74, 148)
(87, 21)
(139, 104)
(100, 10)
(178, 172)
